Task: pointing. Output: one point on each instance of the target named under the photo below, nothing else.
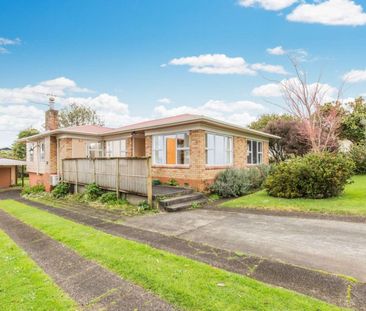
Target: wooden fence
(129, 175)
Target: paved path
(90, 285)
(333, 246)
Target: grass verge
(23, 285)
(352, 202)
(187, 284)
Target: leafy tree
(353, 125)
(264, 119)
(75, 115)
(292, 142)
(19, 149)
(6, 154)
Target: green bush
(61, 190)
(238, 182)
(108, 198)
(156, 182)
(358, 155)
(315, 175)
(34, 189)
(173, 183)
(93, 192)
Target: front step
(181, 199)
(185, 205)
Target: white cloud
(355, 76)
(19, 106)
(5, 42)
(238, 112)
(328, 92)
(271, 5)
(329, 12)
(222, 64)
(214, 64)
(269, 68)
(164, 100)
(278, 50)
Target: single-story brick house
(8, 172)
(191, 149)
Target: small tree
(354, 121)
(18, 148)
(305, 102)
(292, 142)
(76, 115)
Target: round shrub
(238, 182)
(315, 175)
(61, 190)
(358, 155)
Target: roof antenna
(51, 101)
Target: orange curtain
(171, 149)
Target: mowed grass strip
(187, 284)
(351, 202)
(23, 285)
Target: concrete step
(185, 205)
(169, 191)
(181, 199)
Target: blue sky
(132, 60)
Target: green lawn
(351, 202)
(23, 285)
(187, 284)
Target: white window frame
(229, 161)
(250, 153)
(122, 148)
(163, 149)
(99, 151)
(31, 152)
(42, 151)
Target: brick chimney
(51, 116)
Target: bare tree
(306, 102)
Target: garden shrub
(315, 175)
(61, 190)
(173, 182)
(358, 155)
(156, 182)
(238, 182)
(93, 192)
(108, 198)
(34, 189)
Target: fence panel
(131, 175)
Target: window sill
(218, 167)
(172, 166)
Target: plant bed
(351, 202)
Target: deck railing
(128, 175)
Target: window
(31, 152)
(94, 150)
(255, 152)
(116, 148)
(171, 149)
(219, 150)
(42, 151)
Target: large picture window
(116, 148)
(31, 152)
(171, 149)
(255, 152)
(219, 149)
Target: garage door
(5, 177)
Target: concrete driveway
(328, 245)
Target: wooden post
(149, 183)
(117, 178)
(76, 177)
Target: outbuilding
(8, 172)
